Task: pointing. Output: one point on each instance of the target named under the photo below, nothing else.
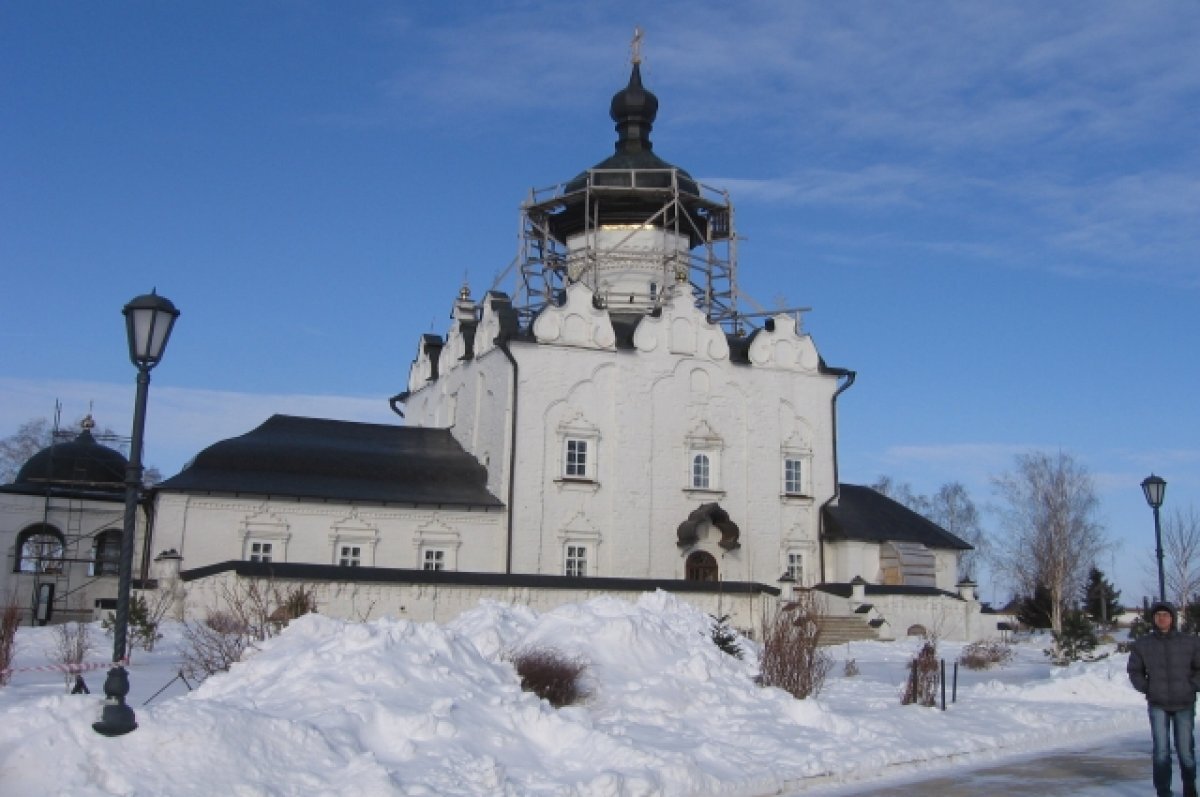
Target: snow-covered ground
(393, 707)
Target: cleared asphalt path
(1119, 767)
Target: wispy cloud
(1075, 120)
(874, 184)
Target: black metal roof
(864, 515)
(318, 458)
(81, 467)
(396, 575)
(846, 590)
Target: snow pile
(394, 707)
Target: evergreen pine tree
(1077, 639)
(1101, 600)
(1034, 610)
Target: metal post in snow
(943, 680)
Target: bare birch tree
(951, 508)
(30, 438)
(1181, 555)
(1049, 511)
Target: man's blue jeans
(1162, 723)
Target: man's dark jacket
(1165, 667)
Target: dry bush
(923, 678)
(10, 621)
(296, 603)
(790, 657)
(251, 612)
(224, 623)
(211, 648)
(551, 675)
(984, 655)
(72, 641)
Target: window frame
(39, 563)
(704, 442)
(349, 555)
(436, 556)
(794, 566)
(576, 557)
(107, 542)
(793, 484)
(577, 433)
(700, 472)
(260, 550)
(584, 448)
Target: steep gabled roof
(864, 515)
(317, 458)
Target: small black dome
(83, 463)
(634, 109)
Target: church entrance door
(701, 566)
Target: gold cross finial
(635, 48)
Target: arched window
(106, 550)
(39, 550)
(700, 566)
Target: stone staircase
(840, 630)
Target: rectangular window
(795, 567)
(350, 556)
(792, 483)
(260, 552)
(701, 472)
(576, 562)
(576, 464)
(435, 559)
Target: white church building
(610, 423)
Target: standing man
(1164, 665)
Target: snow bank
(394, 707)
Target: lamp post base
(116, 718)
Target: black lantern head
(148, 322)
(1155, 489)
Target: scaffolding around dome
(630, 235)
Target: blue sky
(992, 208)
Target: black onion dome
(634, 109)
(82, 462)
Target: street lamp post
(1155, 489)
(148, 322)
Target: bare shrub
(922, 684)
(298, 602)
(72, 641)
(225, 623)
(251, 612)
(985, 654)
(10, 621)
(790, 657)
(551, 675)
(211, 647)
